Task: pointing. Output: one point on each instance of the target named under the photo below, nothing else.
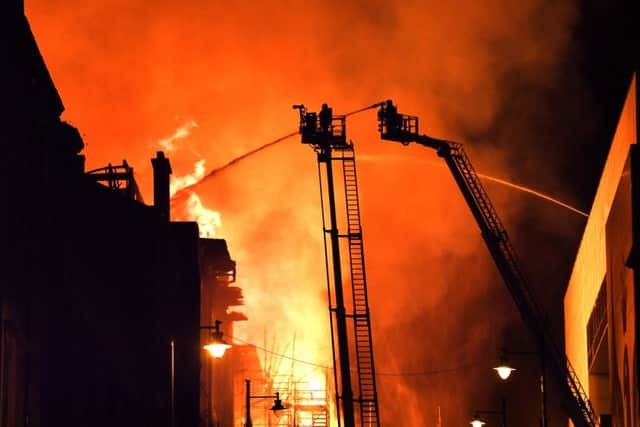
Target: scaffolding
(306, 404)
(118, 178)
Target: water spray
(486, 177)
(188, 189)
(534, 193)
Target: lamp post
(173, 383)
(216, 345)
(277, 403)
(504, 370)
(478, 422)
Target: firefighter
(391, 115)
(325, 115)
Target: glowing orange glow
(208, 220)
(312, 392)
(477, 422)
(182, 181)
(209, 82)
(192, 209)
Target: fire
(314, 391)
(180, 182)
(208, 220)
(310, 391)
(239, 77)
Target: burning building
(223, 396)
(100, 294)
(218, 273)
(106, 302)
(601, 302)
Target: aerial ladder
(404, 129)
(356, 394)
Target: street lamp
(504, 371)
(476, 421)
(277, 403)
(216, 345)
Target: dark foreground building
(219, 297)
(95, 286)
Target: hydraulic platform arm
(404, 129)
(350, 319)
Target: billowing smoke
(131, 73)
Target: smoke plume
(130, 73)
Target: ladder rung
(360, 306)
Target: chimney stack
(161, 172)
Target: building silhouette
(218, 299)
(99, 292)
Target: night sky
(604, 55)
(572, 123)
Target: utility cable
(378, 374)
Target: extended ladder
(326, 134)
(495, 235)
(367, 397)
(404, 128)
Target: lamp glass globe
(504, 371)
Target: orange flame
(208, 220)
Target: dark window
(597, 325)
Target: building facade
(602, 302)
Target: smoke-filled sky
(514, 80)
